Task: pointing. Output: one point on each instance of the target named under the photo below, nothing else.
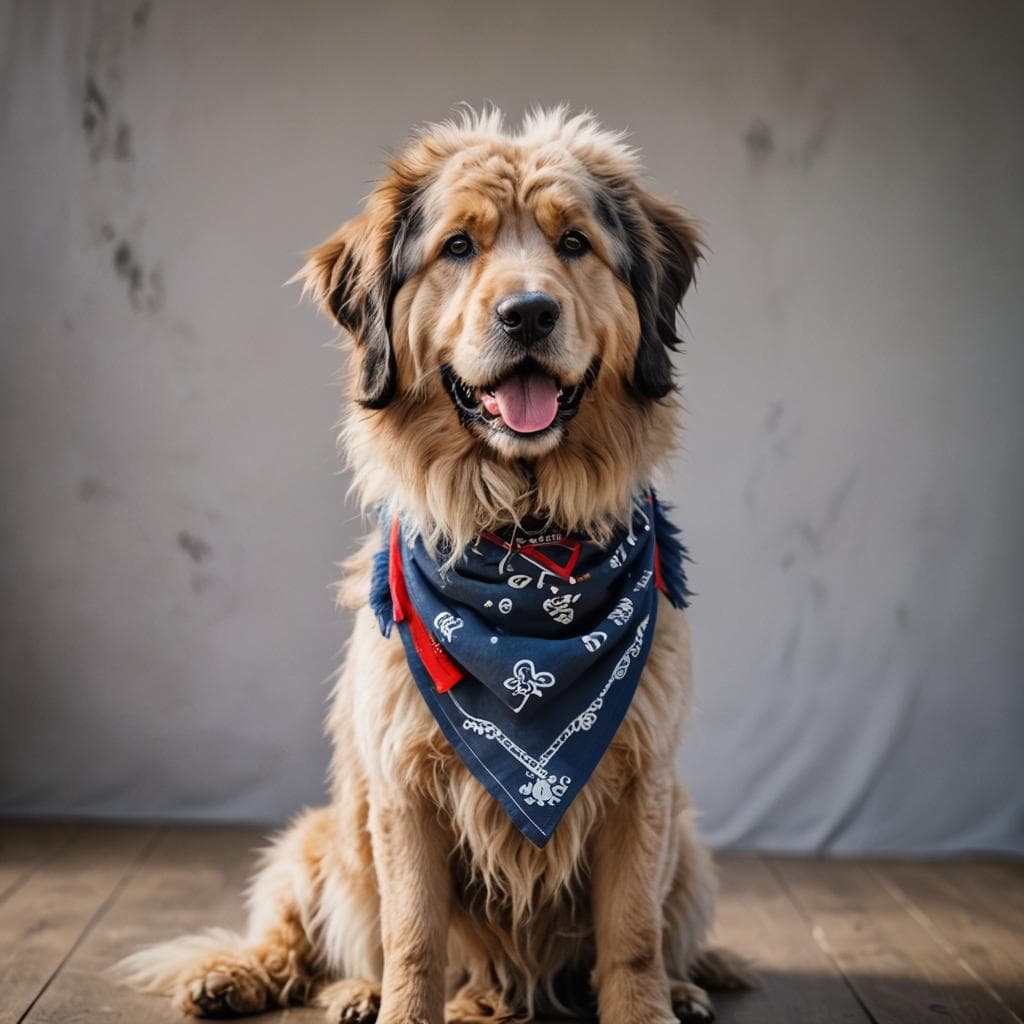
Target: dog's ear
(352, 275)
(664, 247)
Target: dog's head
(512, 302)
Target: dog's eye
(572, 243)
(458, 246)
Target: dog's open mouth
(528, 401)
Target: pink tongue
(527, 402)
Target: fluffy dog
(510, 303)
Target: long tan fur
(411, 895)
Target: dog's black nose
(528, 317)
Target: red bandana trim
(443, 671)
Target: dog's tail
(722, 969)
(167, 967)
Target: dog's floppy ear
(664, 246)
(352, 276)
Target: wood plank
(975, 911)
(24, 846)
(798, 981)
(1003, 883)
(194, 878)
(835, 942)
(899, 972)
(44, 918)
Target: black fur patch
(338, 300)
(379, 377)
(658, 281)
(368, 316)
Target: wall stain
(140, 16)
(780, 449)
(101, 136)
(145, 288)
(759, 140)
(123, 142)
(815, 142)
(200, 583)
(814, 535)
(110, 137)
(128, 267)
(774, 416)
(783, 446)
(810, 535)
(837, 501)
(91, 488)
(194, 546)
(95, 118)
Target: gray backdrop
(851, 485)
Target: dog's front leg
(629, 856)
(410, 856)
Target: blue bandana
(528, 651)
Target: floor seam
(818, 935)
(932, 930)
(25, 876)
(101, 911)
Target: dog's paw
(350, 1001)
(691, 1004)
(481, 1008)
(224, 987)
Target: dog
(509, 300)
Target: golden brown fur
(413, 888)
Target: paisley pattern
(528, 651)
(527, 682)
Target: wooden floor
(836, 942)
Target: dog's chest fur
(498, 873)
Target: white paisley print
(446, 624)
(527, 682)
(542, 787)
(621, 612)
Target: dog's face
(515, 299)
(517, 290)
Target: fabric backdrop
(851, 485)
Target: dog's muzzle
(527, 402)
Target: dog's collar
(528, 650)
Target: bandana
(529, 649)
